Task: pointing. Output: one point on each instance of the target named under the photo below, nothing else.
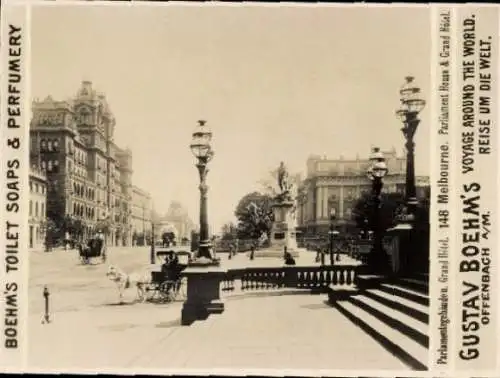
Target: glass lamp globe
(376, 155)
(410, 97)
(379, 169)
(200, 145)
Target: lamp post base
(378, 261)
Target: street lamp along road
(332, 233)
(411, 105)
(202, 150)
(378, 259)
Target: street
(267, 330)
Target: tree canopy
(254, 214)
(390, 204)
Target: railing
(313, 277)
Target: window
(44, 165)
(31, 207)
(36, 209)
(31, 186)
(49, 145)
(42, 209)
(36, 188)
(56, 145)
(49, 166)
(43, 145)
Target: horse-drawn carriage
(95, 248)
(168, 284)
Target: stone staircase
(395, 312)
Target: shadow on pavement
(170, 324)
(261, 294)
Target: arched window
(74, 209)
(49, 145)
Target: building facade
(37, 208)
(178, 218)
(89, 177)
(141, 217)
(338, 184)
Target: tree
(390, 205)
(254, 214)
(51, 232)
(229, 231)
(103, 225)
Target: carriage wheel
(151, 292)
(181, 292)
(166, 291)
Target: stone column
(318, 203)
(341, 202)
(326, 213)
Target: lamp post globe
(331, 233)
(203, 152)
(378, 259)
(411, 105)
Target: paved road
(273, 330)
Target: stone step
(404, 306)
(419, 285)
(405, 293)
(404, 347)
(406, 324)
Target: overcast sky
(274, 83)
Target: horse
(125, 281)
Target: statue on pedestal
(283, 182)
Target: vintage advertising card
(249, 189)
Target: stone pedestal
(283, 232)
(203, 293)
(397, 244)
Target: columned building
(89, 177)
(338, 184)
(37, 220)
(141, 216)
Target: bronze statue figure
(283, 178)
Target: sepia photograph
(229, 187)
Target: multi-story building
(37, 208)
(338, 184)
(88, 176)
(141, 216)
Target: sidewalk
(254, 333)
(274, 329)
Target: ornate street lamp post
(202, 150)
(332, 233)
(411, 105)
(378, 258)
(152, 254)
